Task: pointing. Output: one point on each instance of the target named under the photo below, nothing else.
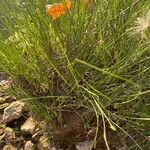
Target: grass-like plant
(95, 56)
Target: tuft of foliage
(94, 56)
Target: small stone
(29, 146)
(1, 131)
(13, 111)
(9, 147)
(2, 94)
(9, 98)
(39, 130)
(86, 145)
(43, 125)
(2, 128)
(36, 136)
(1, 119)
(3, 106)
(2, 137)
(2, 100)
(9, 134)
(44, 143)
(4, 82)
(29, 125)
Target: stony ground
(21, 129)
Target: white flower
(142, 25)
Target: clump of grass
(95, 57)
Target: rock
(44, 144)
(2, 100)
(29, 146)
(1, 131)
(6, 98)
(2, 128)
(86, 145)
(29, 125)
(9, 147)
(2, 94)
(42, 126)
(9, 134)
(40, 129)
(3, 106)
(36, 136)
(4, 85)
(1, 119)
(9, 98)
(2, 136)
(4, 82)
(13, 111)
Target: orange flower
(58, 9)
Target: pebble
(36, 136)
(29, 146)
(13, 111)
(2, 128)
(86, 145)
(3, 106)
(44, 144)
(29, 125)
(9, 147)
(9, 134)
(2, 100)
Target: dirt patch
(71, 129)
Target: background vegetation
(96, 56)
